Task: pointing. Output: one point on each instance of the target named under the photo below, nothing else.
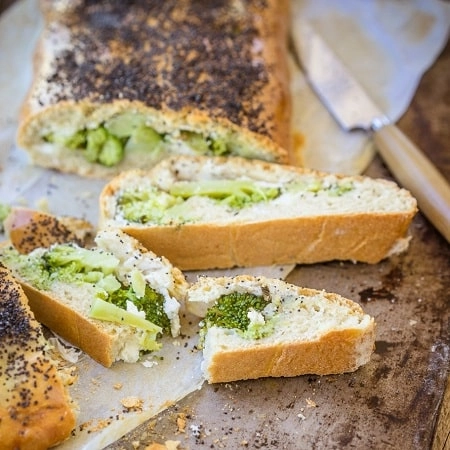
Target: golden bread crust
(332, 354)
(291, 241)
(82, 332)
(35, 409)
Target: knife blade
(353, 109)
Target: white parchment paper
(388, 44)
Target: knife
(353, 109)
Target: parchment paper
(389, 44)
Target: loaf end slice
(290, 330)
(36, 411)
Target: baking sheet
(103, 421)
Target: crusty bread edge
(334, 353)
(362, 237)
(77, 329)
(51, 417)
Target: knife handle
(415, 172)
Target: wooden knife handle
(415, 172)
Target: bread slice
(278, 214)
(64, 301)
(162, 78)
(28, 229)
(36, 411)
(294, 330)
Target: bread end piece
(28, 229)
(36, 411)
(315, 332)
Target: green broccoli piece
(234, 193)
(152, 303)
(103, 310)
(124, 125)
(143, 139)
(340, 188)
(74, 141)
(232, 311)
(95, 139)
(82, 260)
(196, 141)
(63, 262)
(31, 267)
(149, 205)
(218, 147)
(112, 152)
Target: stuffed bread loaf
(36, 411)
(204, 213)
(119, 85)
(113, 301)
(255, 327)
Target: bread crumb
(132, 403)
(118, 386)
(181, 422)
(310, 403)
(168, 445)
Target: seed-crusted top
(176, 54)
(19, 334)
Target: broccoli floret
(95, 139)
(103, 310)
(219, 147)
(107, 143)
(233, 311)
(69, 263)
(112, 152)
(152, 303)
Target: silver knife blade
(352, 108)
(343, 96)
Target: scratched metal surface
(393, 402)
